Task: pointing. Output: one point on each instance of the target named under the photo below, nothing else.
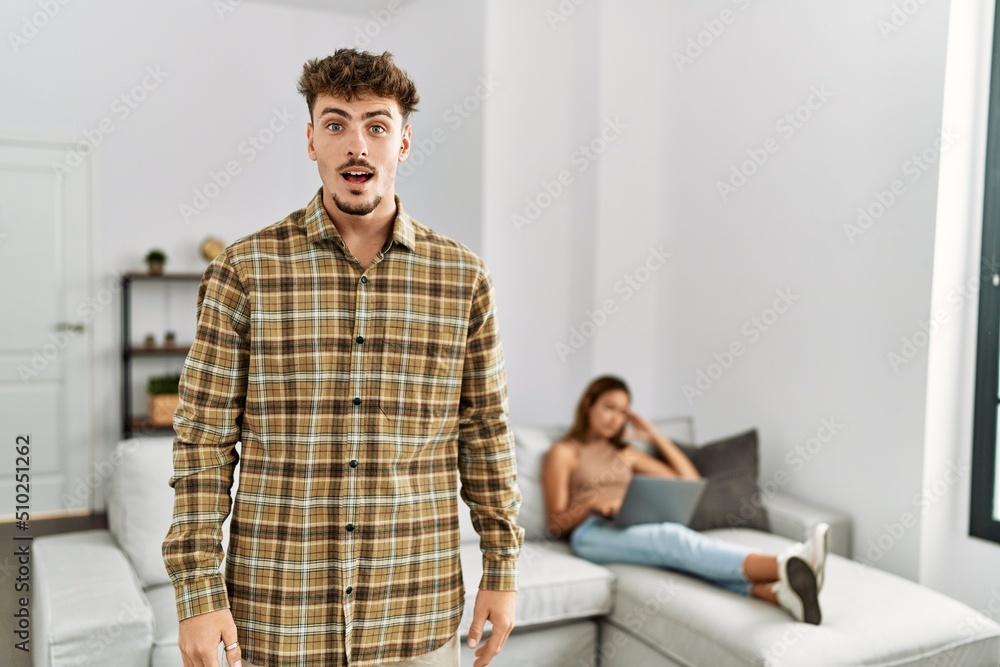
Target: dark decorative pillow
(732, 498)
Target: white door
(45, 332)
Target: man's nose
(357, 146)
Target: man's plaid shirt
(359, 397)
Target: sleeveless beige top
(601, 471)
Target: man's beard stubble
(357, 209)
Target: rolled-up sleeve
(208, 424)
(487, 464)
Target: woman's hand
(606, 506)
(640, 428)
(678, 464)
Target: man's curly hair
(352, 74)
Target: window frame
(982, 522)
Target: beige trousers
(446, 656)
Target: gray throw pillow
(732, 498)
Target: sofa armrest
(87, 604)
(793, 518)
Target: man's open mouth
(352, 176)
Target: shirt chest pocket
(421, 370)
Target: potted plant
(163, 398)
(170, 339)
(155, 259)
(149, 340)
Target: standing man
(355, 354)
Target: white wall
(221, 78)
(633, 250)
(539, 246)
(854, 302)
(877, 102)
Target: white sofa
(104, 598)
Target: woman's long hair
(581, 421)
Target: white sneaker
(814, 551)
(796, 589)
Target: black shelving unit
(132, 425)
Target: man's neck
(364, 234)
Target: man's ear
(309, 142)
(404, 149)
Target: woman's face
(609, 413)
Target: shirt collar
(319, 226)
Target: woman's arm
(643, 464)
(676, 460)
(560, 517)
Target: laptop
(651, 499)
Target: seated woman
(585, 476)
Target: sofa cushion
(553, 585)
(570, 644)
(141, 504)
(870, 617)
(86, 603)
(732, 497)
(531, 445)
(165, 651)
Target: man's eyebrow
(377, 112)
(334, 110)
(365, 116)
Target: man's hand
(497, 607)
(199, 637)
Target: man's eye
(333, 126)
(378, 129)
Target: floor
(10, 656)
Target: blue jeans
(668, 545)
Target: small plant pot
(155, 268)
(170, 339)
(162, 408)
(149, 341)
